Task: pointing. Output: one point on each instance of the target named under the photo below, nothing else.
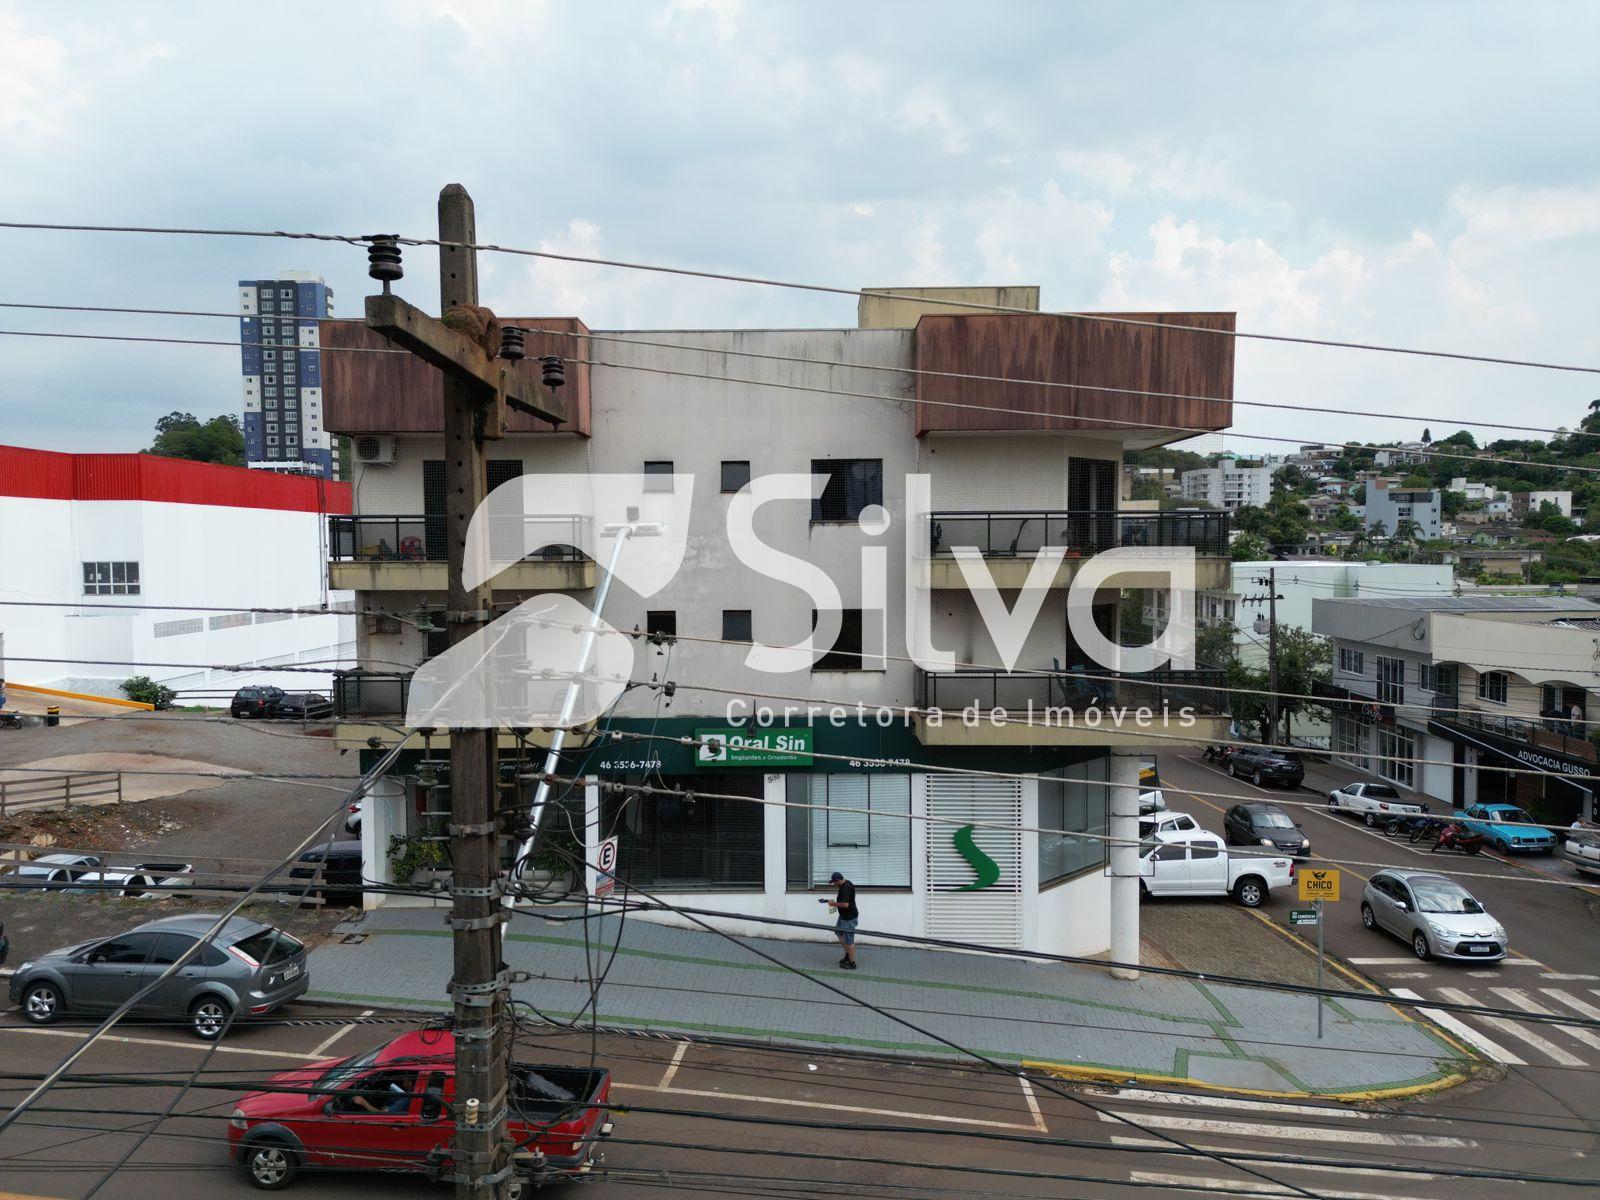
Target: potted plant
(419, 857)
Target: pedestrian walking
(844, 904)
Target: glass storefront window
(860, 827)
(701, 842)
(1072, 799)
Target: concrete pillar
(1123, 805)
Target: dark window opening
(853, 484)
(661, 621)
(846, 652)
(658, 476)
(690, 840)
(735, 474)
(736, 625)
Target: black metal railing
(370, 694)
(1557, 734)
(422, 537)
(1004, 534)
(1202, 689)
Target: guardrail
(51, 791)
(422, 537)
(1545, 733)
(1201, 689)
(1012, 533)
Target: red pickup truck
(394, 1109)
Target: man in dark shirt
(845, 905)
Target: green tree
(1344, 520)
(144, 690)
(1147, 489)
(1427, 437)
(1249, 547)
(183, 435)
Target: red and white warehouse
(107, 540)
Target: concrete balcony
(369, 709)
(1071, 708)
(1009, 541)
(406, 553)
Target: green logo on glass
(986, 869)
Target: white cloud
(34, 84)
(925, 109)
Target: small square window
(845, 654)
(269, 355)
(286, 293)
(658, 476)
(661, 621)
(735, 474)
(736, 625)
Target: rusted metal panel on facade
(399, 393)
(1069, 349)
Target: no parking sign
(605, 879)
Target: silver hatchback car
(1437, 916)
(248, 970)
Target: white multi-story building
(1397, 509)
(999, 481)
(114, 563)
(1473, 490)
(1426, 690)
(1528, 503)
(1229, 486)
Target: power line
(858, 293)
(964, 376)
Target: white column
(591, 830)
(382, 813)
(775, 824)
(1123, 804)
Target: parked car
(1374, 803)
(1166, 825)
(5, 944)
(256, 702)
(56, 870)
(89, 873)
(1200, 865)
(247, 970)
(1264, 825)
(1262, 765)
(352, 819)
(1437, 916)
(304, 706)
(341, 871)
(393, 1109)
(1150, 797)
(1508, 828)
(1583, 851)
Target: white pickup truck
(1375, 803)
(1199, 864)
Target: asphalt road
(848, 1126)
(1553, 929)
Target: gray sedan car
(1436, 915)
(247, 970)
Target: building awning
(1579, 773)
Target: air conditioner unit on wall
(374, 449)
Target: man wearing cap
(845, 905)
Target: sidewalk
(1072, 1021)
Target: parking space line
(672, 1068)
(785, 1102)
(1303, 1133)
(224, 1048)
(1185, 1099)
(1513, 1029)
(1232, 1186)
(1033, 1104)
(1462, 1030)
(322, 1046)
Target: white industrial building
(113, 563)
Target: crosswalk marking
(1412, 961)
(1302, 1133)
(1236, 1187)
(1265, 1107)
(1515, 1029)
(1462, 1030)
(1572, 1002)
(1139, 1143)
(1527, 1003)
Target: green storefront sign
(726, 746)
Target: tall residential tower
(282, 365)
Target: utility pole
(1271, 599)
(477, 390)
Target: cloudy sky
(1422, 174)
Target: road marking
(1513, 1029)
(782, 1102)
(322, 1047)
(1233, 1188)
(672, 1067)
(1147, 1144)
(1567, 978)
(1300, 1133)
(1527, 1003)
(1398, 962)
(1571, 1001)
(1033, 1104)
(1462, 1030)
(1185, 1098)
(297, 1055)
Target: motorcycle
(1217, 754)
(1459, 838)
(1412, 825)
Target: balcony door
(504, 536)
(1092, 504)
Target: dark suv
(1262, 765)
(256, 702)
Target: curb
(44, 691)
(1071, 1071)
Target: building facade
(1427, 691)
(279, 327)
(1228, 486)
(117, 559)
(1528, 503)
(1396, 509)
(863, 761)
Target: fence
(51, 791)
(1005, 534)
(210, 875)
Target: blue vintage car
(1508, 829)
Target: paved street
(860, 1125)
(1552, 929)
